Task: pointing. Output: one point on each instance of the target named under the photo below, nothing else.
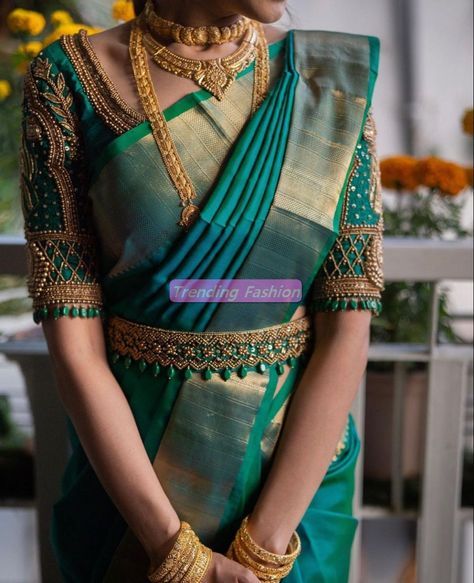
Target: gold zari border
(201, 350)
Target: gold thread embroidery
(55, 255)
(99, 88)
(357, 246)
(215, 350)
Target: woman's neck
(193, 13)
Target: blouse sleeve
(351, 276)
(63, 277)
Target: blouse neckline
(200, 94)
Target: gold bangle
(181, 567)
(199, 566)
(263, 572)
(269, 557)
(178, 556)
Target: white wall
(442, 33)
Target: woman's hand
(224, 570)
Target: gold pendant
(189, 214)
(214, 77)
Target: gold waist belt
(212, 352)
(208, 352)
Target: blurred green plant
(429, 198)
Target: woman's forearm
(314, 423)
(108, 432)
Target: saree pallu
(271, 191)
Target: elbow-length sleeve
(63, 278)
(351, 276)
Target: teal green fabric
(272, 212)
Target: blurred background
(414, 408)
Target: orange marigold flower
(446, 177)
(468, 122)
(400, 173)
(469, 177)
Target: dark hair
(139, 5)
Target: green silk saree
(290, 192)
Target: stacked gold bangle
(187, 561)
(267, 566)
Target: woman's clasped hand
(224, 570)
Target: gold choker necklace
(191, 35)
(214, 75)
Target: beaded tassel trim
(208, 352)
(72, 311)
(356, 303)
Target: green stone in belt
(242, 372)
(115, 356)
(280, 368)
(156, 369)
(188, 373)
(226, 374)
(142, 365)
(261, 367)
(171, 372)
(207, 374)
(127, 362)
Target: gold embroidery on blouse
(41, 125)
(354, 265)
(370, 136)
(61, 266)
(98, 86)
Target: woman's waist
(209, 351)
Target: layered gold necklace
(253, 47)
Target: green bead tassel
(226, 374)
(127, 362)
(74, 312)
(188, 373)
(44, 313)
(156, 369)
(65, 311)
(115, 357)
(142, 365)
(207, 374)
(171, 372)
(56, 312)
(242, 372)
(83, 312)
(291, 361)
(280, 368)
(261, 367)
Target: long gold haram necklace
(161, 133)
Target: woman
(201, 142)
